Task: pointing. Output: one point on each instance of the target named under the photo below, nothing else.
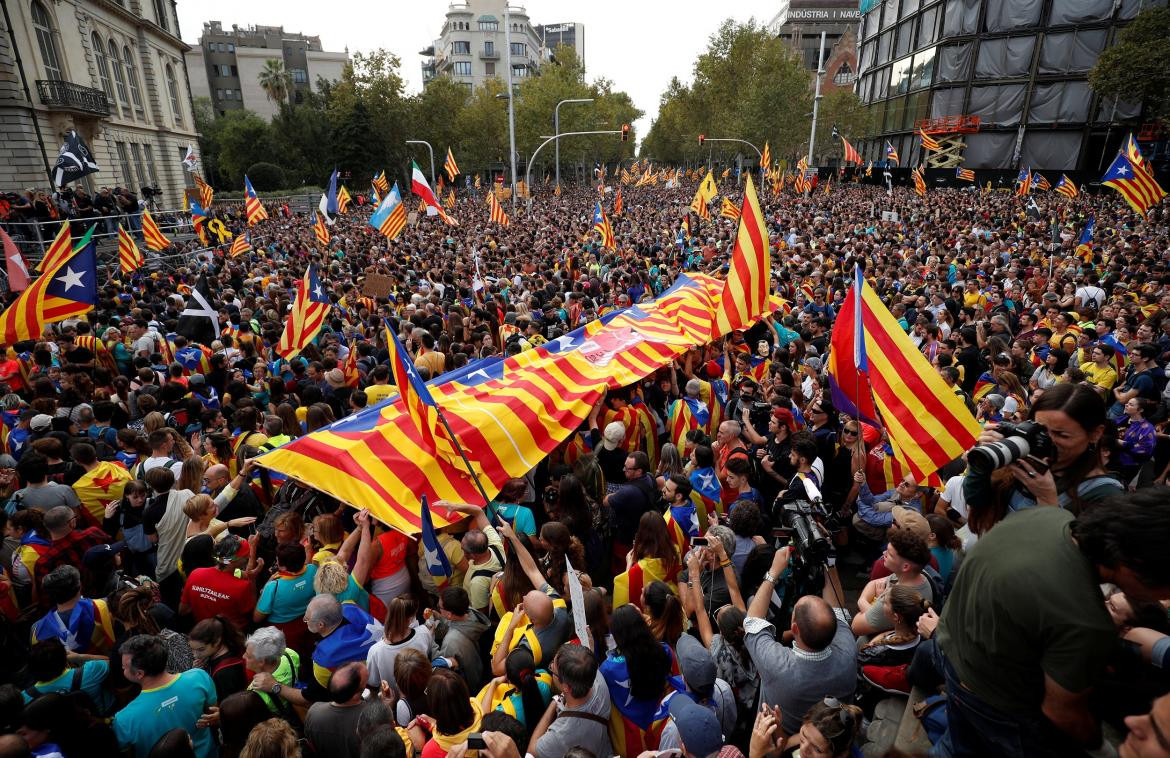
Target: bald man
(546, 627)
(233, 497)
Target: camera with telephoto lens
(758, 415)
(1023, 440)
(804, 521)
(149, 192)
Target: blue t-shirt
(284, 598)
(93, 673)
(519, 516)
(177, 705)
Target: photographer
(1056, 461)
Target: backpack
(74, 684)
(937, 588)
(932, 712)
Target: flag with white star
(1134, 181)
(437, 564)
(73, 288)
(309, 309)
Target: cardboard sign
(377, 285)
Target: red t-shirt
(209, 591)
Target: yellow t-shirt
(1102, 376)
(376, 393)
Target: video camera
(149, 192)
(1027, 439)
(759, 414)
(803, 522)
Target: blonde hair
(191, 474)
(273, 738)
(197, 506)
(332, 578)
(153, 422)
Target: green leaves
(1135, 68)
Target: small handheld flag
(601, 224)
(253, 208)
(891, 153)
(1066, 187)
(129, 256)
(151, 234)
(1024, 182)
(617, 203)
(496, 214)
(438, 566)
(964, 174)
(450, 166)
(919, 182)
(320, 231)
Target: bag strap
(78, 674)
(583, 715)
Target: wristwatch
(276, 688)
(769, 578)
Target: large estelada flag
(309, 309)
(24, 319)
(876, 373)
(72, 289)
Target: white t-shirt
(380, 658)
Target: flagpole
(463, 455)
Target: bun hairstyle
(907, 604)
(839, 724)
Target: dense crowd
(756, 574)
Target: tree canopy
(1135, 67)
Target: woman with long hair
(218, 647)
(653, 554)
(638, 674)
(523, 692)
(398, 633)
(136, 609)
(561, 547)
(1051, 372)
(669, 462)
(191, 474)
(1073, 416)
(454, 714)
(288, 418)
(663, 612)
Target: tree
(843, 109)
(437, 113)
(275, 81)
(266, 177)
(367, 112)
(1135, 67)
(242, 138)
(303, 137)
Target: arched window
(103, 67)
(43, 24)
(132, 78)
(173, 91)
(844, 75)
(119, 79)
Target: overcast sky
(638, 44)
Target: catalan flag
(557, 190)
(850, 153)
(919, 182)
(875, 373)
(199, 221)
(381, 185)
(151, 234)
(1085, 241)
(1039, 182)
(72, 289)
(253, 208)
(309, 309)
(617, 202)
(1066, 187)
(1129, 175)
(602, 226)
(438, 565)
(628, 586)
(685, 415)
(101, 486)
(449, 202)
(964, 174)
(353, 375)
(417, 401)
(891, 153)
(869, 169)
(728, 210)
(206, 194)
(240, 245)
(24, 318)
(390, 216)
(343, 199)
(450, 166)
(726, 173)
(766, 157)
(928, 142)
(1024, 182)
(320, 231)
(496, 214)
(129, 256)
(745, 294)
(476, 182)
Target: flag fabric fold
(496, 214)
(602, 226)
(309, 309)
(151, 234)
(450, 166)
(199, 321)
(390, 216)
(129, 256)
(745, 294)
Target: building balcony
(486, 55)
(63, 95)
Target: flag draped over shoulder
(103, 485)
(309, 309)
(876, 373)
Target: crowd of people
(755, 574)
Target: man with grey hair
(347, 633)
(68, 544)
(275, 668)
(84, 626)
(713, 563)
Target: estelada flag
(103, 485)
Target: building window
(150, 163)
(119, 79)
(489, 47)
(173, 91)
(46, 41)
(299, 76)
(103, 66)
(519, 49)
(160, 14)
(231, 48)
(124, 162)
(519, 72)
(219, 93)
(462, 68)
(489, 26)
(489, 68)
(468, 86)
(461, 47)
(844, 76)
(229, 94)
(132, 80)
(143, 178)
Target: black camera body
(804, 522)
(758, 414)
(1022, 440)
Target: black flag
(74, 160)
(199, 321)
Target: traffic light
(701, 138)
(625, 132)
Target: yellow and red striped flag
(390, 217)
(151, 234)
(381, 185)
(253, 208)
(60, 249)
(628, 586)
(745, 293)
(422, 207)
(729, 210)
(129, 256)
(206, 194)
(602, 226)
(353, 375)
(343, 199)
(928, 142)
(450, 166)
(417, 401)
(876, 372)
(557, 190)
(964, 174)
(1066, 187)
(766, 157)
(1130, 174)
(919, 182)
(1040, 182)
(496, 214)
(240, 245)
(851, 154)
(476, 182)
(309, 309)
(320, 231)
(450, 201)
(617, 202)
(24, 318)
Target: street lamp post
(431, 150)
(732, 139)
(557, 129)
(511, 111)
(557, 138)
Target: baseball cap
(697, 668)
(698, 728)
(614, 435)
(100, 555)
(231, 547)
(41, 422)
(785, 417)
(912, 521)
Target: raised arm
(694, 594)
(365, 555)
(531, 570)
(763, 596)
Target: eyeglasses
(851, 432)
